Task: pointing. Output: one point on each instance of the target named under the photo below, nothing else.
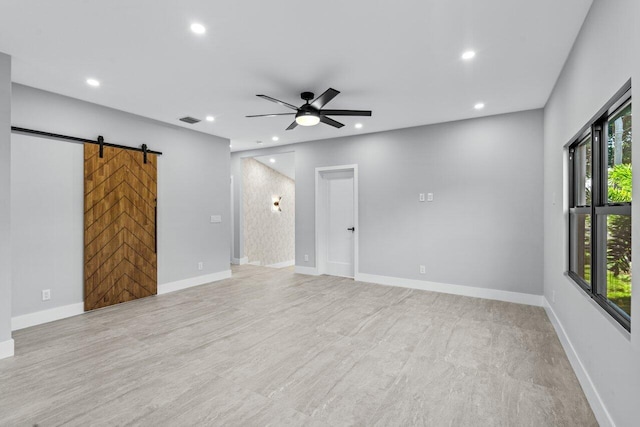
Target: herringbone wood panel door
(120, 262)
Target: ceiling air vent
(189, 120)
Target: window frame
(600, 206)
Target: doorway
(268, 209)
(337, 227)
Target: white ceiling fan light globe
(307, 119)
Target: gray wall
(5, 197)
(603, 58)
(193, 184)
(484, 227)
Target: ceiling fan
(310, 114)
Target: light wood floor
(269, 347)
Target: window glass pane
(618, 289)
(619, 156)
(581, 246)
(582, 172)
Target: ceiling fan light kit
(310, 114)
(307, 118)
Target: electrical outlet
(553, 296)
(200, 265)
(423, 269)
(306, 258)
(421, 197)
(46, 294)
(429, 197)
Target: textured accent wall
(269, 237)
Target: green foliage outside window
(619, 240)
(619, 187)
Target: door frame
(320, 213)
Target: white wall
(47, 179)
(6, 346)
(47, 196)
(269, 236)
(603, 58)
(484, 228)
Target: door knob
(351, 229)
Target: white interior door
(339, 224)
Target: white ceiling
(400, 59)
(284, 163)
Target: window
(600, 209)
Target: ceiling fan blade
(331, 122)
(272, 115)
(292, 125)
(277, 101)
(345, 112)
(324, 99)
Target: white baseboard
(45, 316)
(469, 291)
(309, 271)
(193, 281)
(282, 264)
(256, 263)
(6, 348)
(597, 405)
(239, 261)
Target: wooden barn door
(120, 226)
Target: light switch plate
(429, 197)
(421, 197)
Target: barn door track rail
(100, 141)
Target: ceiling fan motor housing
(307, 109)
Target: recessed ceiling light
(358, 126)
(479, 106)
(275, 138)
(272, 160)
(470, 54)
(93, 82)
(210, 118)
(198, 28)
